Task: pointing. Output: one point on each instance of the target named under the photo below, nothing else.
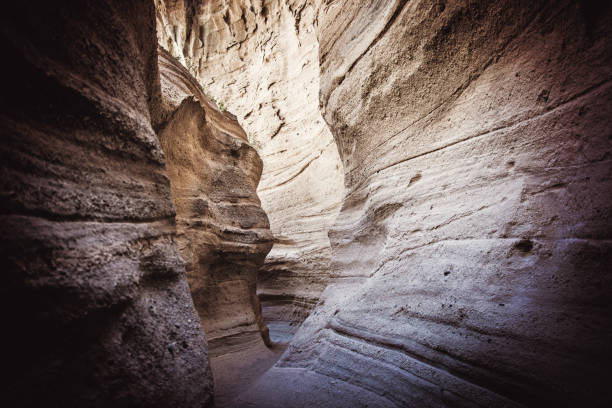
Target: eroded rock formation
(261, 60)
(223, 234)
(95, 299)
(472, 251)
(470, 259)
(95, 303)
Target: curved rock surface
(223, 234)
(95, 297)
(471, 256)
(95, 303)
(261, 60)
(470, 259)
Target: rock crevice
(261, 61)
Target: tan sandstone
(223, 234)
(260, 60)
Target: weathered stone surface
(95, 306)
(223, 234)
(261, 60)
(472, 252)
(471, 257)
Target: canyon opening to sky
(307, 203)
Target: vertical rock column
(94, 302)
(223, 234)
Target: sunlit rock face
(260, 59)
(471, 256)
(95, 305)
(223, 234)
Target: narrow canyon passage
(264, 67)
(306, 203)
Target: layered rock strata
(471, 255)
(260, 59)
(223, 234)
(94, 299)
(95, 303)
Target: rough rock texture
(223, 234)
(472, 254)
(471, 257)
(261, 60)
(95, 306)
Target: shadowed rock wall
(223, 234)
(260, 59)
(94, 299)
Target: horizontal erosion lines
(502, 127)
(398, 9)
(208, 225)
(426, 369)
(220, 343)
(286, 297)
(298, 153)
(98, 219)
(458, 91)
(137, 151)
(217, 202)
(324, 213)
(472, 240)
(302, 169)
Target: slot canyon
(306, 203)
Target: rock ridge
(223, 235)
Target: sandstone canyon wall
(223, 234)
(95, 299)
(470, 261)
(261, 60)
(95, 304)
(471, 255)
